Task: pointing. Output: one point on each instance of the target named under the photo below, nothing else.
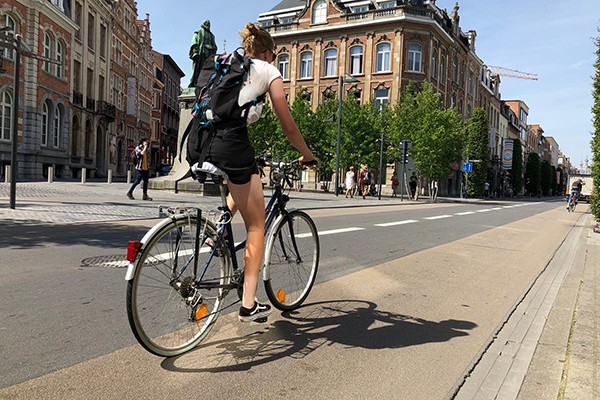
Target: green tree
(437, 134)
(478, 149)
(265, 134)
(553, 183)
(516, 172)
(533, 174)
(595, 142)
(546, 178)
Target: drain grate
(114, 261)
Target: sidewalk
(548, 347)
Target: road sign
(130, 148)
(467, 167)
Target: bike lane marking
(407, 221)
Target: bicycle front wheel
(171, 305)
(291, 260)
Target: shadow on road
(349, 323)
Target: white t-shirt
(261, 75)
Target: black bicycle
(182, 270)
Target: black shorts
(230, 150)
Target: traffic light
(405, 147)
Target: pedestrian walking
(486, 189)
(142, 167)
(413, 186)
(364, 180)
(350, 182)
(395, 183)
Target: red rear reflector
(133, 247)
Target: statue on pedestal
(203, 46)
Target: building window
(118, 52)
(77, 19)
(453, 101)
(454, 70)
(56, 127)
(5, 116)
(434, 66)
(91, 31)
(60, 58)
(306, 64)
(283, 63)
(360, 9)
(470, 87)
(59, 4)
(319, 15)
(356, 60)
(381, 97)
(45, 123)
(443, 69)
(388, 4)
(415, 52)
(330, 62)
(77, 76)
(9, 22)
(103, 31)
(383, 57)
(47, 52)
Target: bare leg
(249, 199)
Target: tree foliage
(516, 172)
(595, 143)
(437, 134)
(546, 178)
(533, 174)
(478, 149)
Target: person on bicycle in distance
(575, 191)
(232, 152)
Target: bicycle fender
(132, 265)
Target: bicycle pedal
(261, 320)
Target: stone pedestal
(178, 178)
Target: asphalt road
(414, 290)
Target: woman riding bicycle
(575, 192)
(232, 152)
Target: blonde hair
(255, 39)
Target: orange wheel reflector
(281, 295)
(201, 312)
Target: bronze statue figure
(203, 46)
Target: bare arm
(280, 106)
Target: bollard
(7, 174)
(50, 174)
(83, 175)
(128, 176)
(110, 176)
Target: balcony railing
(90, 104)
(78, 99)
(106, 109)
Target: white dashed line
(407, 221)
(334, 231)
(438, 217)
(465, 213)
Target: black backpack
(218, 87)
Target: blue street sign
(467, 167)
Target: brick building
(84, 110)
(385, 44)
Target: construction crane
(512, 73)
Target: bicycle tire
(288, 281)
(158, 296)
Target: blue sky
(551, 38)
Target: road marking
(496, 208)
(508, 206)
(407, 221)
(465, 213)
(439, 217)
(484, 210)
(334, 231)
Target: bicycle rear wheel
(170, 306)
(291, 260)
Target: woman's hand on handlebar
(313, 162)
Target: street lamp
(343, 79)
(10, 40)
